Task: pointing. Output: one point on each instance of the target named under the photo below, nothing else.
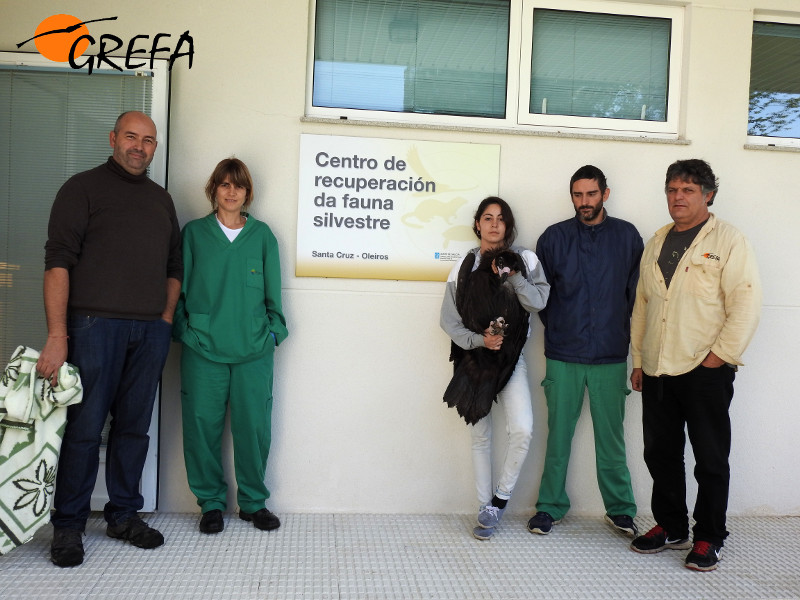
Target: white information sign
(376, 208)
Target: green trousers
(564, 387)
(208, 389)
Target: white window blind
(419, 56)
(599, 65)
(585, 64)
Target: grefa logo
(64, 38)
(711, 256)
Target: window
(54, 122)
(428, 57)
(599, 66)
(774, 114)
(582, 64)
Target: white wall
(359, 424)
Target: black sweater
(118, 236)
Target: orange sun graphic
(56, 46)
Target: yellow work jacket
(713, 302)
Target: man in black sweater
(113, 272)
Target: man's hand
(712, 361)
(173, 291)
(53, 355)
(636, 380)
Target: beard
(594, 212)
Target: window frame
(766, 141)
(518, 80)
(404, 117)
(613, 126)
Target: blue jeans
(120, 363)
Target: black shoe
(137, 532)
(262, 519)
(542, 523)
(657, 540)
(704, 556)
(623, 524)
(66, 550)
(212, 522)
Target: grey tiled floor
(346, 556)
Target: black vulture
(486, 299)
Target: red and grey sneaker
(704, 556)
(656, 540)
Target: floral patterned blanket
(32, 418)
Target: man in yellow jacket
(697, 307)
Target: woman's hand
(507, 270)
(492, 342)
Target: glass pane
(598, 65)
(775, 81)
(52, 125)
(438, 57)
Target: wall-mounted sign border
(374, 208)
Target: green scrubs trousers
(564, 386)
(208, 389)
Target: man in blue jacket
(592, 264)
